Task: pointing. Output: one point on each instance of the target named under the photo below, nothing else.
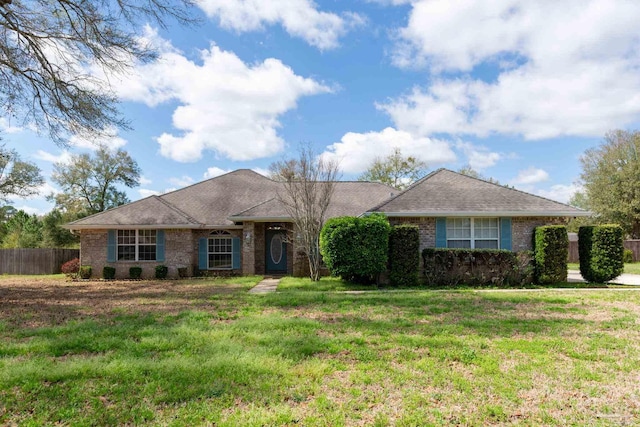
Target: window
(476, 233)
(220, 251)
(137, 245)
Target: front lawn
(629, 267)
(202, 352)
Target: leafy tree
(50, 52)
(308, 185)
(395, 170)
(17, 177)
(23, 231)
(89, 182)
(53, 235)
(611, 180)
(579, 200)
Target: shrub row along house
(235, 223)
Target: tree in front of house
(53, 54)
(611, 180)
(89, 182)
(396, 170)
(17, 177)
(309, 182)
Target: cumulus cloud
(144, 180)
(7, 127)
(182, 181)
(530, 175)
(110, 139)
(63, 157)
(356, 151)
(215, 171)
(479, 157)
(225, 105)
(555, 68)
(299, 18)
(559, 192)
(262, 171)
(145, 192)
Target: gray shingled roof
(350, 198)
(444, 192)
(151, 211)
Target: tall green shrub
(404, 255)
(551, 251)
(356, 248)
(601, 252)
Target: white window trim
(472, 238)
(219, 234)
(137, 245)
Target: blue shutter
(111, 246)
(235, 246)
(505, 233)
(203, 257)
(160, 245)
(441, 232)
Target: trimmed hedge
(135, 272)
(108, 272)
(162, 270)
(356, 248)
(601, 252)
(404, 255)
(551, 251)
(476, 267)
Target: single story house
(235, 223)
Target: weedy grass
(210, 353)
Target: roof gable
(444, 192)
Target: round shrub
(71, 268)
(601, 252)
(135, 272)
(108, 272)
(85, 272)
(162, 270)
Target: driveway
(623, 279)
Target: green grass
(225, 357)
(629, 267)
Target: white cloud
(356, 151)
(530, 175)
(7, 127)
(30, 210)
(299, 18)
(144, 180)
(479, 157)
(182, 181)
(226, 105)
(262, 171)
(560, 192)
(214, 171)
(556, 68)
(110, 139)
(145, 192)
(63, 157)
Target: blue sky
(516, 89)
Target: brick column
(248, 248)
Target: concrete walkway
(265, 286)
(623, 279)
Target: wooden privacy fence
(634, 245)
(35, 261)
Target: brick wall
(426, 229)
(522, 230)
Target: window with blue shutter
(111, 246)
(505, 233)
(160, 245)
(203, 257)
(235, 244)
(441, 232)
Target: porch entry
(276, 252)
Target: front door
(276, 252)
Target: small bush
(551, 251)
(108, 272)
(85, 272)
(627, 256)
(601, 252)
(356, 248)
(162, 270)
(135, 272)
(71, 268)
(404, 255)
(476, 267)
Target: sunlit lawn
(200, 352)
(629, 267)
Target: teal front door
(276, 252)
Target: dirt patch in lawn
(38, 302)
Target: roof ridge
(253, 207)
(216, 177)
(111, 209)
(401, 192)
(170, 206)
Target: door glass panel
(276, 249)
